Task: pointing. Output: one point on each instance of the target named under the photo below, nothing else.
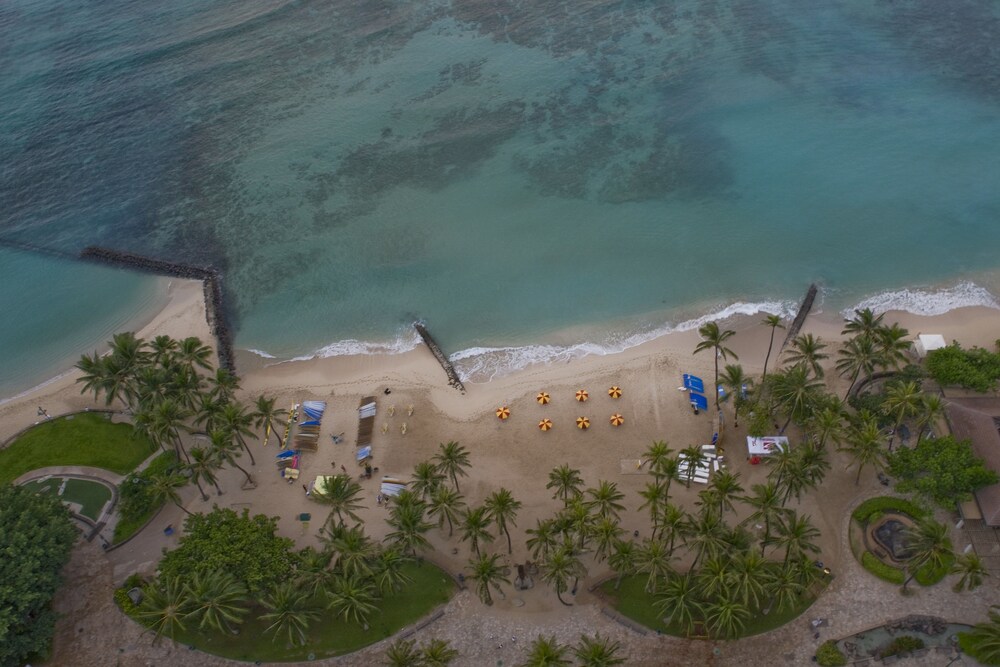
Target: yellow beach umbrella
(545, 424)
(582, 395)
(503, 413)
(615, 392)
(582, 423)
(542, 398)
(617, 419)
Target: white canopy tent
(927, 342)
(766, 445)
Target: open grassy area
(90, 496)
(331, 636)
(83, 439)
(632, 600)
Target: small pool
(933, 631)
(888, 533)
(83, 496)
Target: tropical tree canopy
(246, 547)
(945, 470)
(36, 537)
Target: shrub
(928, 575)
(828, 655)
(977, 369)
(872, 403)
(135, 505)
(944, 470)
(884, 572)
(866, 510)
(124, 602)
(904, 644)
(971, 646)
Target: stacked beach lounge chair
(392, 486)
(307, 434)
(366, 427)
(702, 468)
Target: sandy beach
(513, 454)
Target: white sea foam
(261, 353)
(404, 342)
(28, 392)
(482, 364)
(927, 301)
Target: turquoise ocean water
(534, 180)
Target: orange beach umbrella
(545, 424)
(617, 419)
(582, 395)
(582, 423)
(503, 413)
(615, 392)
(542, 398)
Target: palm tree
(712, 339)
(410, 528)
(657, 456)
(713, 577)
(605, 499)
(487, 572)
(167, 419)
(673, 524)
(736, 383)
(864, 444)
(606, 533)
(814, 463)
(438, 653)
(857, 356)
(543, 538)
(475, 524)
(566, 481)
(233, 417)
(446, 504)
(166, 602)
(577, 521)
(726, 616)
(351, 550)
(224, 384)
(623, 559)
(227, 450)
(162, 349)
(983, 641)
(207, 411)
(546, 652)
(94, 376)
(193, 352)
(707, 536)
(680, 602)
(502, 509)
(266, 416)
(598, 651)
(353, 598)
(289, 612)
(795, 393)
(929, 544)
(655, 498)
(219, 601)
(388, 570)
(562, 565)
(654, 558)
(693, 456)
(863, 324)
(782, 585)
(932, 412)
(774, 322)
(781, 463)
(726, 486)
(902, 400)
(970, 567)
(892, 345)
(341, 493)
(452, 460)
(796, 535)
(807, 351)
(747, 576)
(311, 570)
(827, 425)
(403, 653)
(426, 478)
(163, 488)
(204, 464)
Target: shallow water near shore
(506, 172)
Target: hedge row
(883, 503)
(885, 572)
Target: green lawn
(83, 439)
(90, 496)
(331, 636)
(632, 600)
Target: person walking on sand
(343, 469)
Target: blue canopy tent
(693, 383)
(312, 422)
(287, 454)
(698, 401)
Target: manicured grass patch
(865, 510)
(135, 507)
(90, 496)
(83, 439)
(885, 572)
(632, 600)
(331, 636)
